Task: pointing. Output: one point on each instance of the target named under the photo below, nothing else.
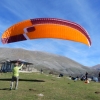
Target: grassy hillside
(35, 86)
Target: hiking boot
(16, 88)
(10, 88)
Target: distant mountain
(44, 60)
(97, 67)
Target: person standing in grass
(86, 75)
(41, 70)
(15, 75)
(99, 77)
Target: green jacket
(16, 71)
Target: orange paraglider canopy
(46, 28)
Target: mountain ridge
(96, 67)
(44, 60)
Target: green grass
(52, 88)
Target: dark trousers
(16, 79)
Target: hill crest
(44, 60)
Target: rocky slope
(44, 60)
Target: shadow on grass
(28, 80)
(5, 89)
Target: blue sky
(84, 12)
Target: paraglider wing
(46, 28)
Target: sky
(83, 12)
